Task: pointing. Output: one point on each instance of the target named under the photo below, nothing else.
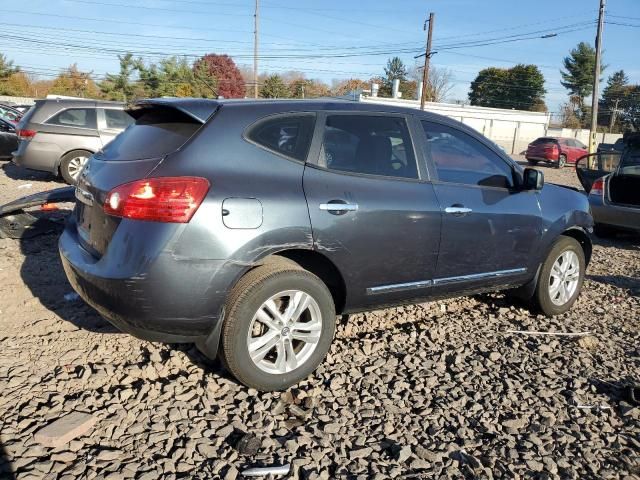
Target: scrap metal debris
(264, 471)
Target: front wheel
(279, 324)
(561, 277)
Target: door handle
(339, 207)
(458, 210)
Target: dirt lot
(439, 390)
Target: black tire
(532, 162)
(542, 298)
(562, 161)
(252, 290)
(65, 163)
(603, 231)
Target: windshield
(630, 162)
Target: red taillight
(161, 199)
(597, 188)
(25, 134)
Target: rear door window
(288, 135)
(75, 117)
(368, 144)
(157, 131)
(117, 119)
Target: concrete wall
(17, 100)
(513, 130)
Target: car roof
(201, 109)
(77, 102)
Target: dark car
(8, 139)
(10, 114)
(246, 226)
(556, 150)
(613, 184)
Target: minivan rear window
(156, 132)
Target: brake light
(597, 189)
(25, 134)
(160, 199)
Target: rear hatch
(624, 186)
(544, 148)
(161, 127)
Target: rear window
(288, 135)
(117, 119)
(156, 132)
(543, 140)
(75, 117)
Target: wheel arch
(582, 237)
(59, 161)
(321, 266)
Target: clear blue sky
(43, 36)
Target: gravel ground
(438, 390)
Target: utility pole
(427, 56)
(596, 82)
(255, 52)
(612, 122)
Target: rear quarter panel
(237, 169)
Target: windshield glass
(630, 163)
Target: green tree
(629, 108)
(274, 87)
(520, 87)
(6, 67)
(395, 70)
(612, 96)
(578, 76)
(121, 86)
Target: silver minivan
(58, 135)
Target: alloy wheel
(75, 166)
(564, 278)
(284, 332)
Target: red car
(556, 150)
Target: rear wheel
(71, 165)
(562, 161)
(561, 277)
(279, 324)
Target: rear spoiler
(197, 108)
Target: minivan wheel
(278, 326)
(71, 165)
(561, 277)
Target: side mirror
(532, 179)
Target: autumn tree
(228, 79)
(6, 67)
(344, 87)
(75, 83)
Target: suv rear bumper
(171, 300)
(37, 156)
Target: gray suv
(59, 135)
(246, 226)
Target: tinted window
(117, 119)
(579, 144)
(156, 132)
(75, 117)
(543, 141)
(369, 144)
(289, 135)
(460, 158)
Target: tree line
(522, 87)
(210, 76)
